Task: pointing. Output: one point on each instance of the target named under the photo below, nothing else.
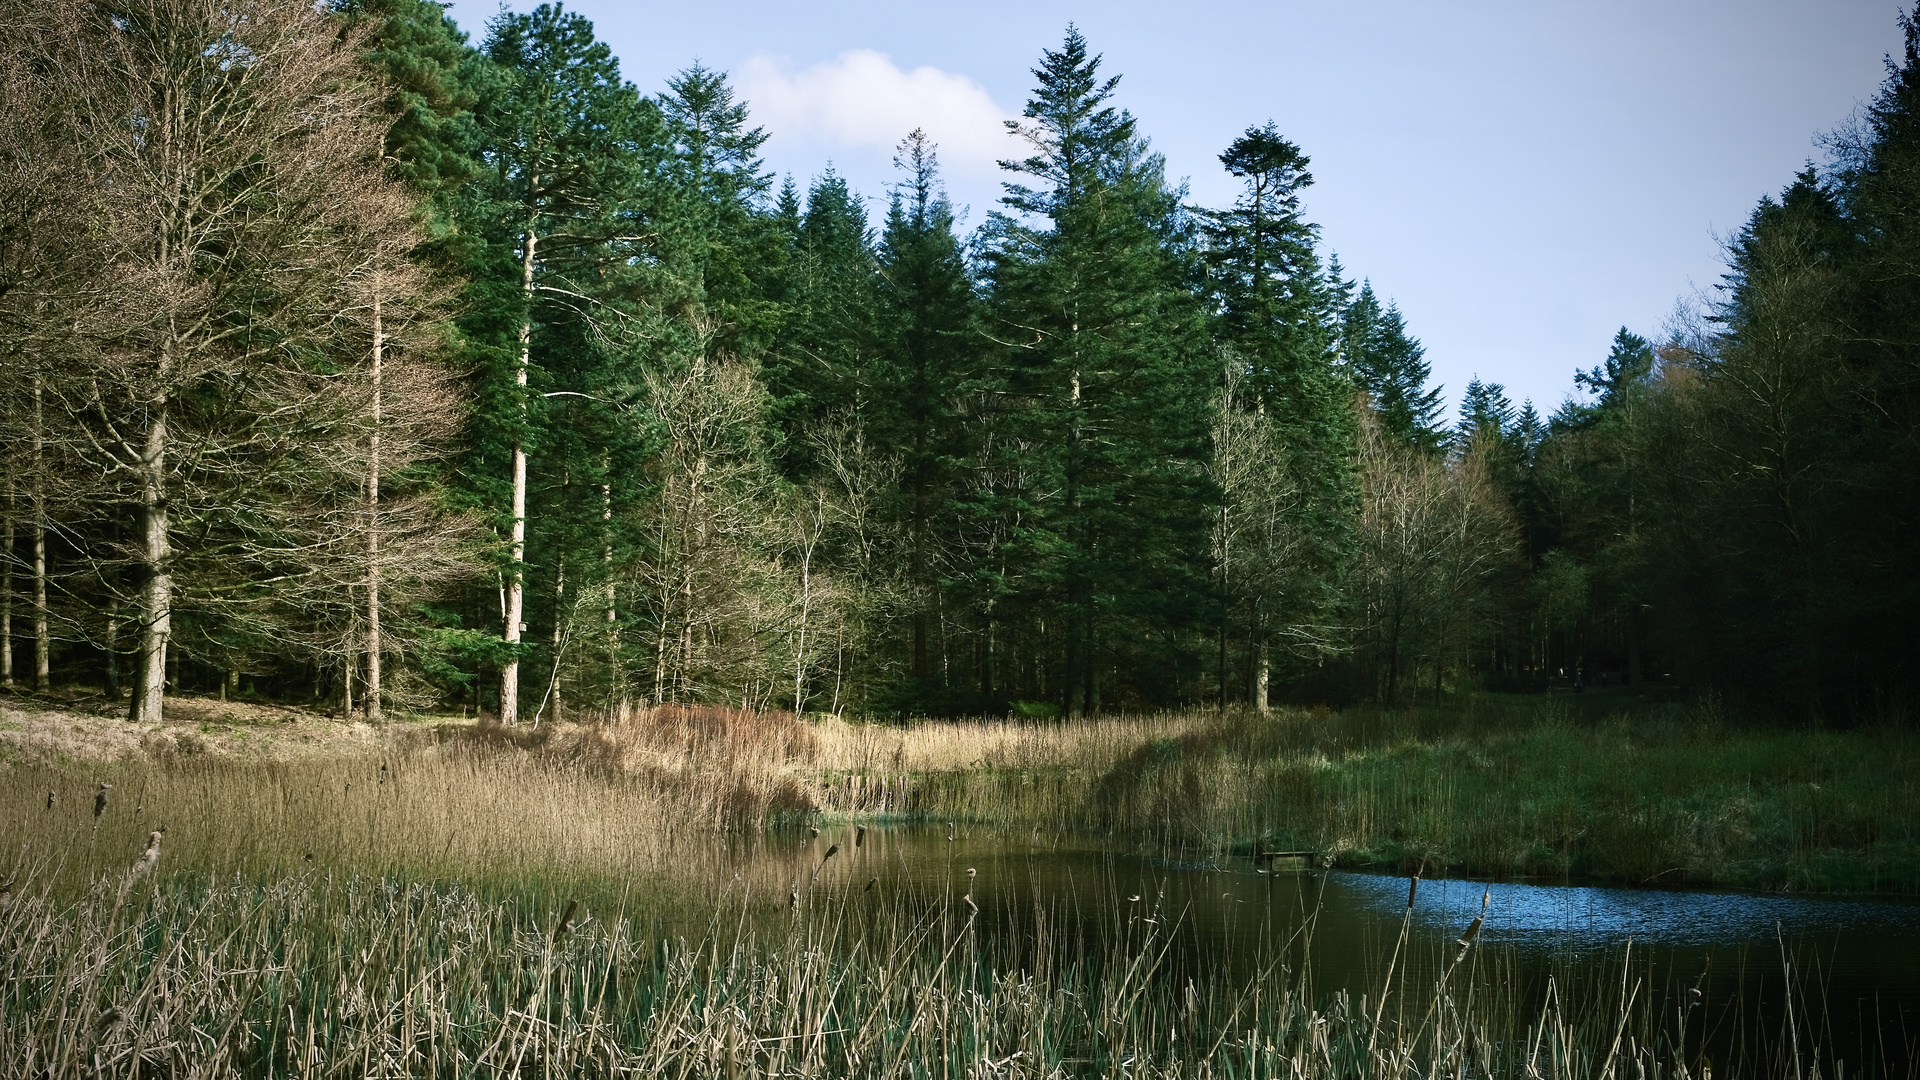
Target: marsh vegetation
(662, 901)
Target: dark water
(1853, 963)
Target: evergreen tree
(568, 146)
(1485, 408)
(1617, 381)
(1278, 315)
(434, 81)
(1528, 431)
(1391, 367)
(924, 308)
(1107, 379)
(816, 370)
(1274, 307)
(725, 255)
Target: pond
(1852, 963)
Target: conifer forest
(349, 360)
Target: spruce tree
(567, 146)
(1391, 367)
(1105, 378)
(816, 370)
(724, 252)
(924, 310)
(1485, 408)
(1277, 323)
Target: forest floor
(88, 727)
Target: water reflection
(1227, 913)
(1559, 917)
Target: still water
(1853, 963)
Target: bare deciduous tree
(236, 209)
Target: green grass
(1645, 800)
(1599, 789)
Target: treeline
(345, 361)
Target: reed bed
(603, 899)
(313, 975)
(1555, 788)
(460, 809)
(1529, 787)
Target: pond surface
(1854, 962)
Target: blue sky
(1522, 178)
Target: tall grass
(1663, 795)
(576, 902)
(465, 808)
(311, 975)
(1630, 793)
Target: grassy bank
(1600, 789)
(1553, 788)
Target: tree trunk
(1262, 679)
(516, 574)
(156, 601)
(615, 689)
(6, 593)
(559, 645)
(113, 651)
(373, 522)
(41, 675)
(42, 680)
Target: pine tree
(1286, 528)
(434, 80)
(924, 310)
(1391, 367)
(1106, 380)
(568, 145)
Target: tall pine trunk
(516, 574)
(373, 522)
(156, 552)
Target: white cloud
(861, 100)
